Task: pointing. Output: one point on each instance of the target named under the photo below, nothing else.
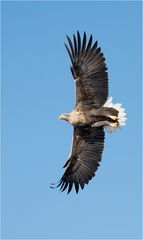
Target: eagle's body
(93, 111)
(83, 115)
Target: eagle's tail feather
(121, 115)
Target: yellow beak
(62, 116)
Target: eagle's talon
(115, 118)
(114, 125)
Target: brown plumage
(92, 112)
(89, 68)
(85, 157)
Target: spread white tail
(121, 115)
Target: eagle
(93, 112)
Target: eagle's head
(72, 117)
(65, 116)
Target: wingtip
(76, 187)
(52, 186)
(67, 36)
(78, 32)
(84, 35)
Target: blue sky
(37, 86)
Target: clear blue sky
(37, 86)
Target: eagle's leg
(113, 122)
(99, 124)
(115, 118)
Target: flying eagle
(93, 112)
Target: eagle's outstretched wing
(84, 160)
(89, 70)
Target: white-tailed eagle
(93, 112)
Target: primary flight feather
(93, 111)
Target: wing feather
(84, 160)
(89, 44)
(75, 45)
(69, 53)
(71, 46)
(79, 41)
(89, 70)
(84, 42)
